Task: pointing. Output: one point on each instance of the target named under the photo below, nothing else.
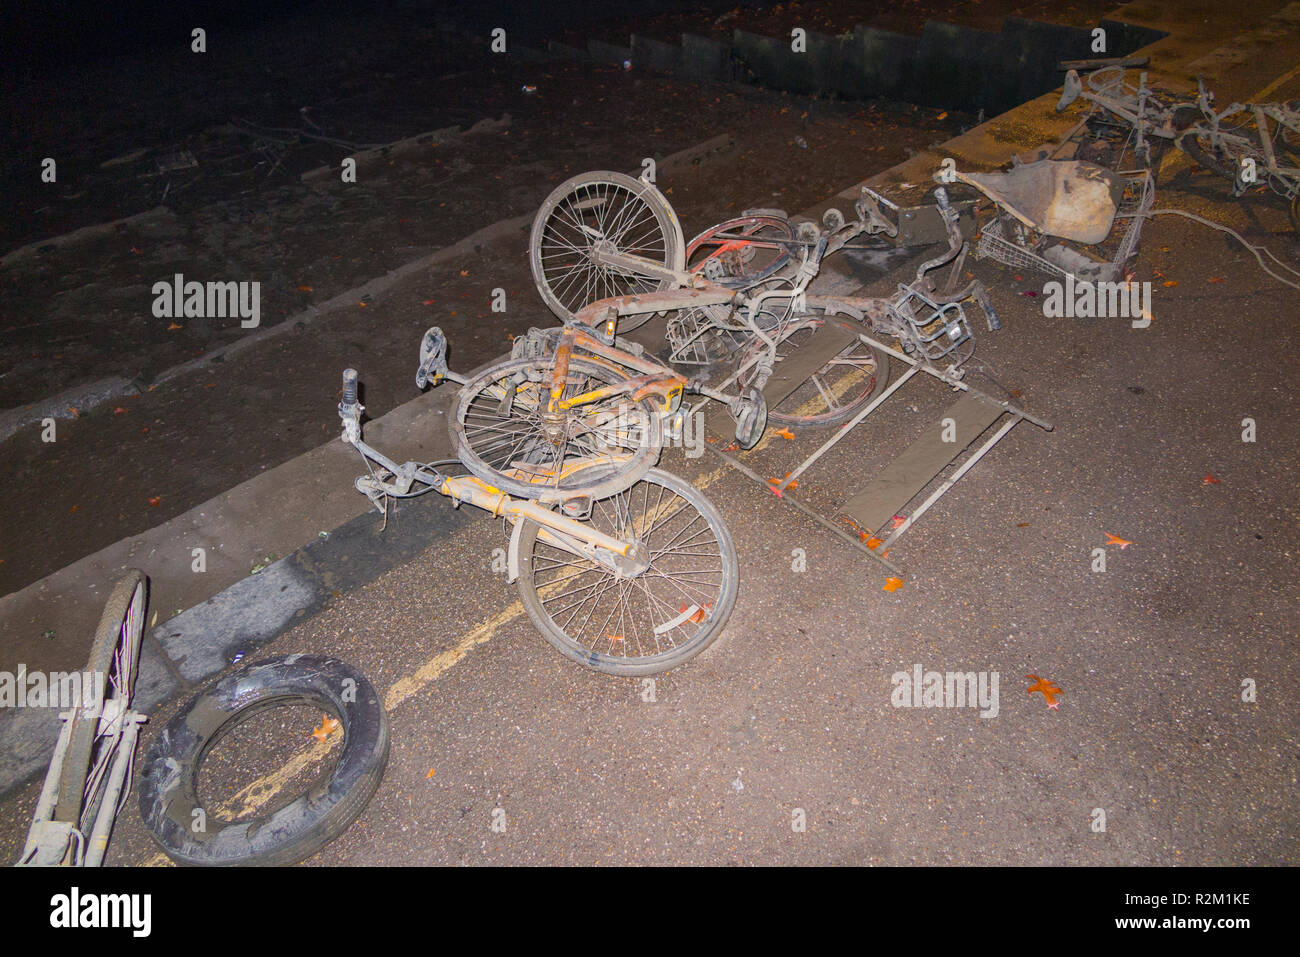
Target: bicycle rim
(499, 433)
(115, 656)
(647, 623)
(605, 208)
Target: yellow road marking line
(1275, 84)
(431, 670)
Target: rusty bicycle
(632, 573)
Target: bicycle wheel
(111, 670)
(502, 433)
(640, 623)
(836, 391)
(1224, 160)
(742, 252)
(612, 212)
(288, 833)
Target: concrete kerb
(603, 52)
(960, 67)
(650, 54)
(880, 63)
(705, 59)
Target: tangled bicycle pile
(626, 568)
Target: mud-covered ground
(217, 145)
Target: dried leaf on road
(327, 727)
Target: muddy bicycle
(1249, 144)
(607, 252)
(1127, 126)
(90, 773)
(633, 574)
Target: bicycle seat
(1070, 91)
(1069, 199)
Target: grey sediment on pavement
(250, 611)
(204, 640)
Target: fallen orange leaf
(701, 612)
(432, 772)
(327, 727)
(1217, 279)
(1116, 540)
(785, 433)
(1209, 480)
(174, 325)
(305, 289)
(1171, 282)
(155, 501)
(873, 543)
(1048, 689)
(891, 584)
(615, 637)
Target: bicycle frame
(410, 479)
(52, 843)
(1261, 144)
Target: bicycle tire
(1209, 159)
(289, 834)
(567, 287)
(695, 640)
(878, 382)
(757, 221)
(71, 806)
(595, 483)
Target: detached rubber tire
(169, 792)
